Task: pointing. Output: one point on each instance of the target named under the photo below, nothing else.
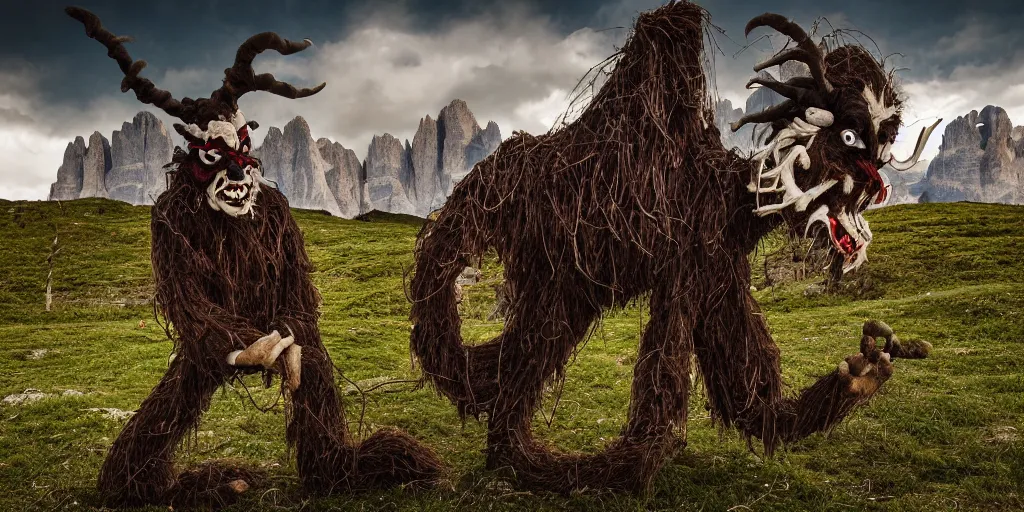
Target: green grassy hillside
(945, 433)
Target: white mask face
(234, 197)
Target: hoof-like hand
(263, 352)
(865, 372)
(914, 349)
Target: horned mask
(827, 141)
(216, 131)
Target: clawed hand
(265, 351)
(865, 372)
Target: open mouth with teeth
(848, 233)
(235, 194)
(842, 239)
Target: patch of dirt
(1002, 435)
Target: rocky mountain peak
(410, 177)
(70, 173)
(95, 166)
(292, 160)
(979, 160)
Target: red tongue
(846, 241)
(872, 171)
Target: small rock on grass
(29, 396)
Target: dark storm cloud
(389, 63)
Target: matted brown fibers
(222, 283)
(635, 197)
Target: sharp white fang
(819, 215)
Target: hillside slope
(945, 432)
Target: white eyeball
(209, 157)
(850, 138)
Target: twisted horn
(806, 51)
(144, 89)
(773, 113)
(793, 89)
(922, 139)
(240, 77)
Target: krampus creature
(232, 277)
(638, 197)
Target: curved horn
(922, 139)
(802, 95)
(806, 51)
(773, 113)
(240, 77)
(144, 89)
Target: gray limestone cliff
(138, 153)
(981, 159)
(292, 160)
(70, 172)
(388, 174)
(344, 176)
(95, 167)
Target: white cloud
(511, 67)
(968, 87)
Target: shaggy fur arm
(205, 332)
(740, 364)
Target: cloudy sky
(387, 64)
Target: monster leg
(138, 469)
(660, 389)
(328, 461)
(740, 365)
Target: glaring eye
(851, 139)
(209, 157)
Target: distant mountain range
(981, 159)
(410, 178)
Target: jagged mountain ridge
(130, 169)
(398, 177)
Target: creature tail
(443, 251)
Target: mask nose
(235, 172)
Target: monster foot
(391, 457)
(212, 485)
(125, 484)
